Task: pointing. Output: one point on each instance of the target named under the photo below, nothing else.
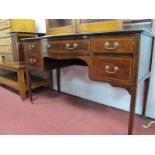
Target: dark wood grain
(60, 46)
(33, 60)
(123, 74)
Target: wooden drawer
(4, 24)
(113, 44)
(32, 46)
(5, 33)
(112, 68)
(5, 49)
(5, 41)
(69, 46)
(33, 60)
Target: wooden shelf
(11, 80)
(37, 82)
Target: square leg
(21, 82)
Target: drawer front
(113, 44)
(69, 46)
(112, 68)
(32, 46)
(5, 41)
(4, 24)
(33, 60)
(5, 33)
(5, 49)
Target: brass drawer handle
(48, 46)
(115, 45)
(108, 70)
(75, 45)
(32, 60)
(30, 47)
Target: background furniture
(68, 26)
(65, 26)
(7, 42)
(12, 54)
(60, 26)
(16, 79)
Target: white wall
(40, 25)
(74, 80)
(150, 109)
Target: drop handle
(115, 45)
(30, 47)
(32, 60)
(110, 71)
(48, 46)
(69, 47)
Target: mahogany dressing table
(121, 58)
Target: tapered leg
(58, 79)
(50, 79)
(132, 110)
(146, 87)
(28, 77)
